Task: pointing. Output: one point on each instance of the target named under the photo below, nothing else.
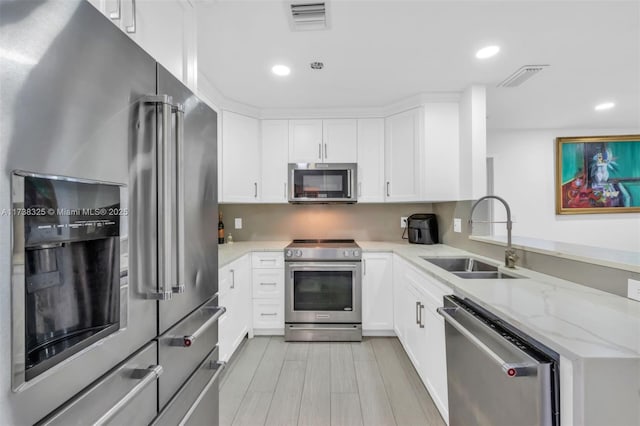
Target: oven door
(323, 292)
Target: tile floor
(273, 382)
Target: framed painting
(598, 174)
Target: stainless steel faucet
(510, 256)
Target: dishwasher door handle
(511, 369)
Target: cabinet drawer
(196, 403)
(126, 395)
(268, 313)
(185, 345)
(268, 283)
(267, 259)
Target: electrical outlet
(238, 223)
(457, 224)
(633, 289)
(403, 221)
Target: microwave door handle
(163, 166)
(180, 189)
(349, 183)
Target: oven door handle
(316, 266)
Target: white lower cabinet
(268, 293)
(377, 294)
(420, 328)
(234, 293)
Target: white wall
(524, 174)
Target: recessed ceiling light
(281, 70)
(487, 52)
(604, 105)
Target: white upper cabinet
(404, 156)
(275, 142)
(323, 141)
(340, 141)
(240, 158)
(165, 29)
(305, 141)
(441, 138)
(371, 160)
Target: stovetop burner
(323, 241)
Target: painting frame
(597, 175)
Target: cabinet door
(371, 160)
(275, 154)
(242, 302)
(305, 141)
(225, 323)
(436, 361)
(399, 313)
(240, 158)
(340, 141)
(377, 291)
(442, 141)
(403, 156)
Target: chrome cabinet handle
(233, 278)
(187, 341)
(164, 161)
(255, 189)
(180, 188)
(388, 195)
(116, 14)
(151, 374)
(417, 312)
(220, 366)
(268, 284)
(421, 315)
(326, 156)
(131, 29)
(268, 314)
(510, 369)
(319, 151)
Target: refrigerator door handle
(115, 15)
(219, 366)
(187, 341)
(164, 290)
(180, 188)
(148, 376)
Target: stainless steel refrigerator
(84, 111)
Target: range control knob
(356, 253)
(298, 253)
(288, 253)
(347, 253)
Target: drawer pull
(268, 283)
(146, 377)
(187, 341)
(268, 314)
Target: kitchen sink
(469, 268)
(461, 264)
(486, 275)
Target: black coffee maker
(423, 228)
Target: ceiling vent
(521, 75)
(309, 16)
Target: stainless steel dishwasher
(496, 375)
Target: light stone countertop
(576, 321)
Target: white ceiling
(378, 52)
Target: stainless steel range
(323, 290)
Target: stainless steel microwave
(322, 182)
